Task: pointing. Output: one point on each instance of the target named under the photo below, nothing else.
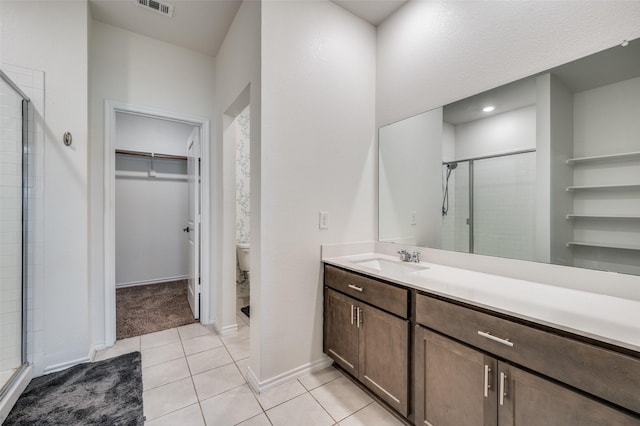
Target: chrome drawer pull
(503, 392)
(487, 385)
(355, 287)
(495, 339)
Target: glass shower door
(12, 215)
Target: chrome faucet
(415, 257)
(405, 256)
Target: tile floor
(192, 376)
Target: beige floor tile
(231, 407)
(201, 343)
(188, 416)
(167, 372)
(372, 414)
(208, 360)
(168, 398)
(341, 398)
(259, 420)
(239, 350)
(319, 378)
(196, 329)
(161, 354)
(159, 338)
(280, 394)
(217, 381)
(121, 347)
(243, 365)
(302, 410)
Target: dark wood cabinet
(454, 384)
(531, 400)
(369, 343)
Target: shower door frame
(25, 149)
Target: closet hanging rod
(151, 154)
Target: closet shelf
(604, 158)
(596, 187)
(603, 245)
(151, 154)
(602, 216)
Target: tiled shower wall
(32, 83)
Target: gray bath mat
(97, 393)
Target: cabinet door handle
(490, 336)
(359, 319)
(503, 385)
(487, 385)
(352, 314)
(355, 287)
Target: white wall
(237, 85)
(147, 134)
(318, 153)
(510, 131)
(433, 53)
(409, 169)
(141, 71)
(151, 212)
(33, 37)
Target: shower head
(452, 166)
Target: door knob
(186, 229)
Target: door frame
(110, 110)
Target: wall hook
(67, 138)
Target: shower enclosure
(14, 196)
(489, 205)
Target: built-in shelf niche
(627, 156)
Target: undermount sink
(386, 265)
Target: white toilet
(243, 259)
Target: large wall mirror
(544, 169)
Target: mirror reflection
(544, 169)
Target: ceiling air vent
(158, 6)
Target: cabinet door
(454, 384)
(530, 400)
(384, 356)
(340, 330)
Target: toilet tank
(243, 256)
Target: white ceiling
(201, 25)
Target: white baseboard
(14, 392)
(65, 365)
(154, 281)
(228, 329)
(288, 376)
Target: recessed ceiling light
(488, 108)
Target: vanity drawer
(385, 296)
(611, 375)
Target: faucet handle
(404, 255)
(415, 257)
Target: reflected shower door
(504, 209)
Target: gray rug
(97, 393)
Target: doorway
(157, 196)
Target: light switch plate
(324, 219)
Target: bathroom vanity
(448, 346)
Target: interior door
(193, 226)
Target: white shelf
(602, 216)
(603, 245)
(597, 187)
(604, 158)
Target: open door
(193, 226)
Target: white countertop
(609, 319)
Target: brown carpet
(153, 307)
